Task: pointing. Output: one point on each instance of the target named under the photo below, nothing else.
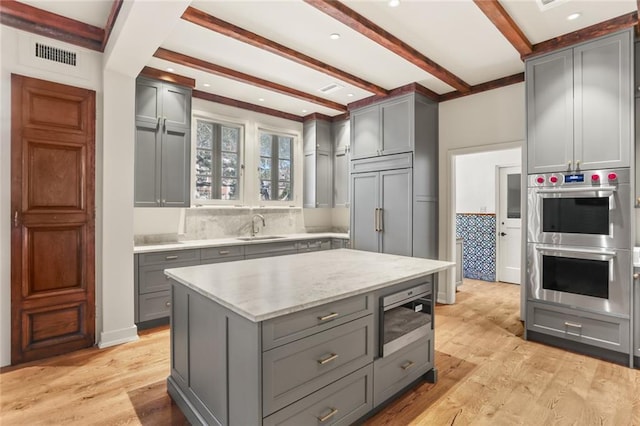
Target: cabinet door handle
(167, 304)
(572, 324)
(330, 358)
(164, 123)
(328, 317)
(577, 165)
(381, 220)
(375, 219)
(332, 413)
(408, 365)
(636, 276)
(170, 257)
(223, 252)
(569, 165)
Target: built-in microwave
(591, 209)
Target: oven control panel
(587, 178)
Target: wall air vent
(56, 54)
(333, 87)
(548, 4)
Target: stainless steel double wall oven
(579, 244)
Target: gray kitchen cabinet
(637, 152)
(636, 317)
(384, 128)
(281, 248)
(162, 144)
(382, 205)
(636, 67)
(579, 106)
(317, 168)
(338, 243)
(395, 211)
(314, 245)
(341, 156)
(603, 331)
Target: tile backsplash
(478, 232)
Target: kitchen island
(295, 339)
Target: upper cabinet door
(549, 81)
(365, 133)
(397, 126)
(603, 96)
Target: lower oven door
(595, 279)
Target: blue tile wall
(479, 245)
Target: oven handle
(610, 189)
(560, 252)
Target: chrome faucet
(253, 224)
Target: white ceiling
(453, 33)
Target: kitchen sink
(260, 237)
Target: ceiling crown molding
(359, 23)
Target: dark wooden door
(53, 215)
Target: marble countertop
(261, 289)
(220, 242)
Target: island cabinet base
(321, 365)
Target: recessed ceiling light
(206, 85)
(261, 99)
(170, 69)
(394, 3)
(304, 110)
(574, 16)
(334, 36)
(349, 95)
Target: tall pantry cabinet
(394, 176)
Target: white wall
(476, 179)
(493, 120)
(15, 59)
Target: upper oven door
(597, 279)
(593, 216)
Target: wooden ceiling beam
(505, 24)
(168, 76)
(58, 27)
(199, 64)
(244, 105)
(212, 23)
(111, 21)
(359, 23)
(603, 28)
(483, 87)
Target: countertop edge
(301, 307)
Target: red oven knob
(595, 178)
(540, 179)
(553, 179)
(612, 176)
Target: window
(275, 167)
(217, 162)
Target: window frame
(221, 121)
(295, 172)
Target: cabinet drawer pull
(323, 419)
(572, 324)
(408, 365)
(170, 257)
(167, 304)
(332, 357)
(328, 317)
(223, 252)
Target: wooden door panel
(56, 259)
(52, 211)
(55, 173)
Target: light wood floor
(488, 375)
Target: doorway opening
(485, 231)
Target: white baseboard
(117, 337)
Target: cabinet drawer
(220, 252)
(584, 327)
(341, 403)
(152, 278)
(314, 245)
(399, 369)
(169, 257)
(293, 371)
(338, 243)
(271, 249)
(286, 329)
(155, 305)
